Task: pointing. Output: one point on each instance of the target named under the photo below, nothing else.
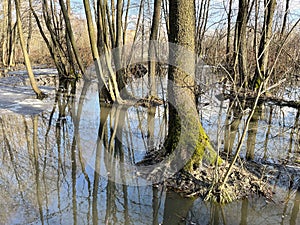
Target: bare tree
(70, 36)
(261, 72)
(152, 49)
(8, 35)
(285, 17)
(39, 93)
(240, 44)
(228, 38)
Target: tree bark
(39, 93)
(71, 37)
(152, 48)
(261, 72)
(228, 58)
(109, 94)
(29, 29)
(185, 131)
(241, 44)
(50, 46)
(202, 25)
(286, 12)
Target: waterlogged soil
(16, 95)
(63, 187)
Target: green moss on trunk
(203, 152)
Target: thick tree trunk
(185, 131)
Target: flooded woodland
(56, 162)
(149, 112)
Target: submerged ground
(54, 166)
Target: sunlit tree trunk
(93, 43)
(118, 44)
(110, 22)
(126, 21)
(68, 42)
(184, 129)
(33, 83)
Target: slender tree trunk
(241, 43)
(228, 58)
(261, 72)
(29, 29)
(118, 44)
(59, 66)
(71, 36)
(286, 12)
(33, 83)
(11, 40)
(4, 31)
(68, 43)
(202, 24)
(53, 27)
(152, 47)
(126, 22)
(108, 94)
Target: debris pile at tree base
(206, 180)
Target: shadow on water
(65, 165)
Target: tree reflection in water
(52, 165)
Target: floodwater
(69, 163)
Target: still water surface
(54, 166)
